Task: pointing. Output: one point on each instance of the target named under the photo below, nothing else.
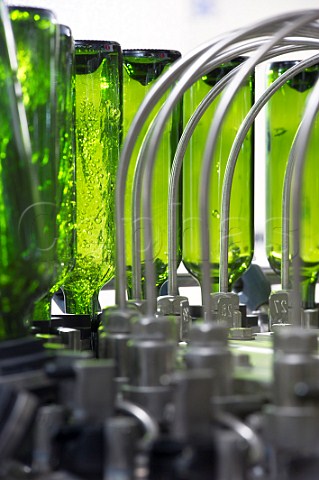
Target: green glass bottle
(240, 249)
(141, 70)
(98, 92)
(283, 115)
(66, 176)
(27, 189)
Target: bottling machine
(152, 387)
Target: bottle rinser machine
(153, 387)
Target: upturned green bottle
(240, 250)
(141, 70)
(27, 185)
(98, 92)
(283, 115)
(65, 83)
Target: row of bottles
(57, 210)
(72, 92)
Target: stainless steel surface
(94, 390)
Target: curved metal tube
(179, 156)
(145, 109)
(212, 138)
(175, 176)
(149, 425)
(144, 189)
(256, 447)
(178, 90)
(285, 281)
(137, 221)
(232, 160)
(177, 166)
(172, 214)
(300, 149)
(173, 193)
(140, 178)
(285, 240)
(141, 116)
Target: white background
(176, 24)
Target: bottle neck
(81, 303)
(308, 292)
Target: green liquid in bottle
(66, 187)
(240, 250)
(284, 113)
(141, 70)
(27, 191)
(98, 126)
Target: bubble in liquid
(216, 214)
